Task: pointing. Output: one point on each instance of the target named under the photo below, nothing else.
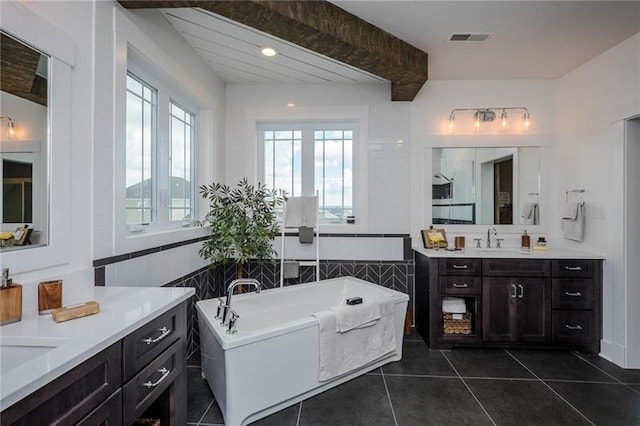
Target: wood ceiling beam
(326, 29)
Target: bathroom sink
(496, 250)
(15, 351)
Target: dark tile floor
(459, 387)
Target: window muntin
(141, 104)
(181, 162)
(302, 159)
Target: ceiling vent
(469, 36)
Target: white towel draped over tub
(573, 221)
(364, 340)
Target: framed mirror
(24, 128)
(47, 128)
(486, 186)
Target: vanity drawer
(150, 340)
(573, 326)
(464, 266)
(498, 267)
(460, 285)
(150, 383)
(582, 268)
(572, 293)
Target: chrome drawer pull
(573, 268)
(513, 295)
(164, 332)
(573, 327)
(460, 266)
(576, 294)
(456, 285)
(165, 373)
(521, 295)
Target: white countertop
(509, 253)
(122, 310)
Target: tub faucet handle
(219, 310)
(224, 314)
(231, 328)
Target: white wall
(592, 102)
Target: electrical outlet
(598, 213)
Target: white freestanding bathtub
(272, 361)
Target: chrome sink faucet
(226, 307)
(495, 232)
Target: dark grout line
(468, 388)
(299, 414)
(550, 388)
(386, 388)
(429, 376)
(205, 413)
(613, 377)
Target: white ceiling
(528, 39)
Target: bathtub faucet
(226, 308)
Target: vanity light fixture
(11, 125)
(487, 115)
(268, 51)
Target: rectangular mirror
(486, 186)
(24, 91)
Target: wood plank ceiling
(325, 29)
(18, 67)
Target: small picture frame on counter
(428, 236)
(21, 236)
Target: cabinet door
(499, 301)
(516, 309)
(533, 309)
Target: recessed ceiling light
(291, 104)
(269, 51)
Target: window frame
(339, 114)
(166, 94)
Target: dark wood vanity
(142, 375)
(513, 302)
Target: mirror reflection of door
(503, 191)
(17, 191)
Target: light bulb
(504, 122)
(477, 123)
(269, 51)
(451, 118)
(12, 130)
(527, 122)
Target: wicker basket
(462, 326)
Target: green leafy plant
(243, 223)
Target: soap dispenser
(10, 300)
(525, 242)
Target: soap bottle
(525, 241)
(10, 300)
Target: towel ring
(566, 193)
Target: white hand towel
(349, 317)
(530, 214)
(574, 228)
(570, 211)
(341, 353)
(454, 305)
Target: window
(309, 159)
(182, 140)
(159, 173)
(141, 138)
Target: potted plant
(242, 221)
